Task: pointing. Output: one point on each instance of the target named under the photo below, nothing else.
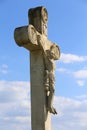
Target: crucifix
(43, 54)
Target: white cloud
(61, 70)
(80, 82)
(81, 117)
(64, 70)
(72, 113)
(22, 119)
(14, 105)
(11, 91)
(82, 97)
(71, 58)
(81, 74)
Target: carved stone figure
(49, 79)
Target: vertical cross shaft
(39, 116)
(24, 36)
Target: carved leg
(46, 81)
(51, 95)
(50, 101)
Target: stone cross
(43, 53)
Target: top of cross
(27, 36)
(38, 17)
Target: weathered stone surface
(43, 54)
(26, 37)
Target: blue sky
(67, 26)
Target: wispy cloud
(84, 97)
(82, 74)
(71, 58)
(81, 82)
(4, 69)
(62, 70)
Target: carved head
(44, 15)
(54, 52)
(38, 17)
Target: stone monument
(43, 54)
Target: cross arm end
(25, 37)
